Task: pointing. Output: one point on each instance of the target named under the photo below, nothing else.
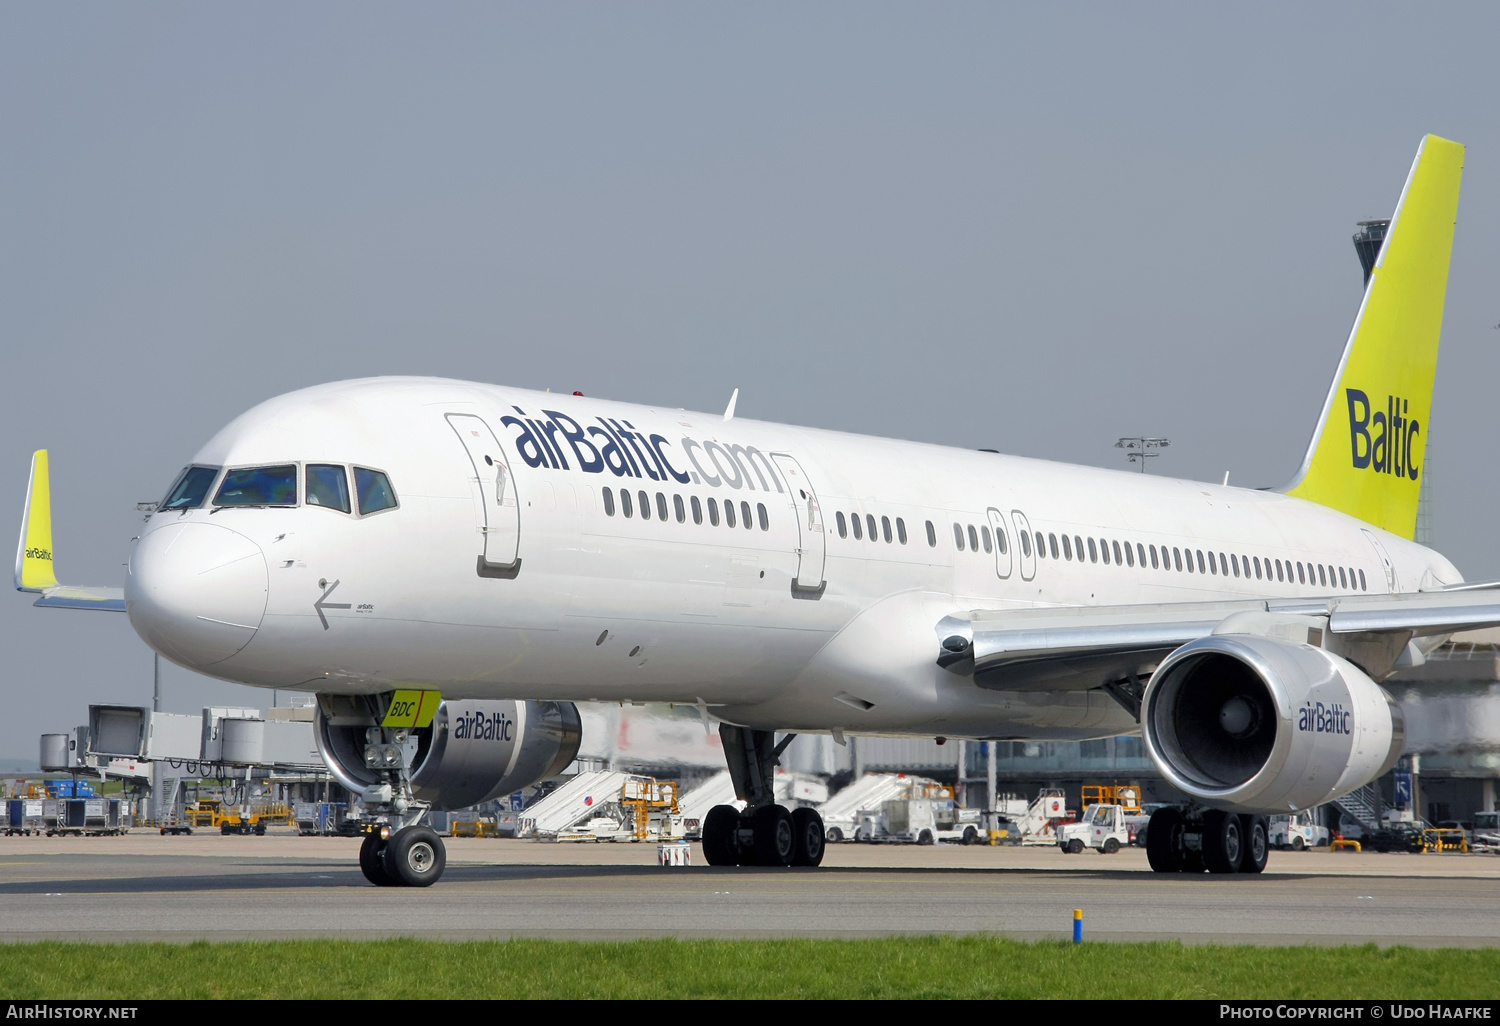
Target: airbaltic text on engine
(484, 727)
(1321, 719)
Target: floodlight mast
(1140, 448)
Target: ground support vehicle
(1189, 839)
(248, 823)
(1105, 827)
(1486, 832)
(920, 821)
(1395, 836)
(1297, 832)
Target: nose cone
(196, 592)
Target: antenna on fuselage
(729, 410)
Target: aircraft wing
(34, 568)
(1080, 647)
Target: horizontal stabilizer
(64, 596)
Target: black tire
(720, 846)
(1298, 844)
(835, 835)
(415, 857)
(1075, 846)
(1255, 831)
(1111, 845)
(1163, 833)
(225, 829)
(807, 836)
(775, 838)
(1223, 842)
(971, 836)
(260, 830)
(925, 837)
(372, 861)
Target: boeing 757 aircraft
(449, 566)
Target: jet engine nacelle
(473, 751)
(1264, 725)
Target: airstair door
(499, 513)
(1004, 550)
(812, 541)
(1385, 562)
(1023, 542)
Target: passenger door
(499, 511)
(1385, 562)
(1004, 557)
(1023, 542)
(812, 542)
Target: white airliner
(449, 565)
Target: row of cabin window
(853, 524)
(679, 510)
(1319, 574)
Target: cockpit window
(327, 485)
(374, 489)
(259, 486)
(190, 488)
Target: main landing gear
(1190, 841)
(765, 834)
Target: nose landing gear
(413, 856)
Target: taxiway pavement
(146, 887)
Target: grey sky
(982, 225)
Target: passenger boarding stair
(1360, 804)
(1038, 826)
(586, 795)
(841, 812)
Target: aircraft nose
(196, 592)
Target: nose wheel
(411, 857)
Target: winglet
(34, 551)
(729, 410)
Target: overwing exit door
(812, 541)
(1003, 549)
(499, 511)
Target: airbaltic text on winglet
(617, 446)
(1382, 441)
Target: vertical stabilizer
(1367, 454)
(34, 552)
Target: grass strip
(895, 967)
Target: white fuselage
(799, 625)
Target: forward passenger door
(498, 511)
